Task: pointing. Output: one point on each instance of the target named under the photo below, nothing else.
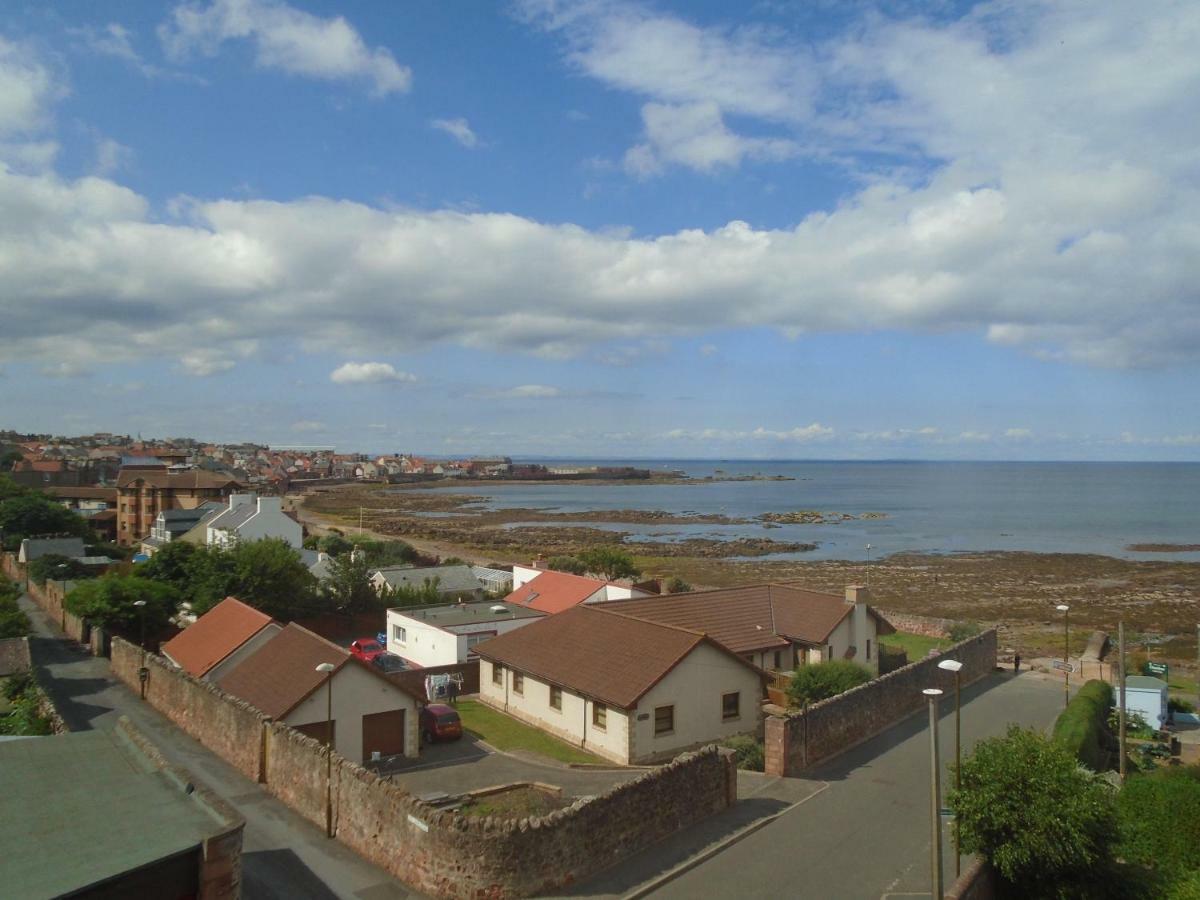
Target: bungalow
(452, 582)
(775, 626)
(553, 592)
(627, 689)
(220, 640)
(444, 635)
(371, 714)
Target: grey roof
(34, 548)
(121, 812)
(450, 579)
(232, 518)
(1146, 682)
(179, 515)
(453, 614)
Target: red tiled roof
(553, 592)
(593, 651)
(216, 634)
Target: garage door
(383, 733)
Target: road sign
(1157, 668)
(1062, 666)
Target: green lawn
(915, 645)
(506, 733)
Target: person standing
(1016, 663)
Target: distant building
(443, 635)
(249, 517)
(146, 488)
(453, 582)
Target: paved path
(856, 828)
(283, 855)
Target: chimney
(538, 564)
(857, 595)
(275, 504)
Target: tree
(9, 459)
(57, 567)
(109, 601)
(173, 564)
(31, 514)
(820, 681)
(566, 564)
(610, 563)
(1159, 820)
(347, 587)
(13, 621)
(1045, 822)
(267, 574)
(334, 544)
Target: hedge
(1082, 728)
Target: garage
(383, 733)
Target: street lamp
(935, 794)
(327, 670)
(868, 565)
(143, 671)
(953, 665)
(1066, 611)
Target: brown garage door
(383, 733)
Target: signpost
(1062, 666)
(1157, 668)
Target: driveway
(856, 828)
(283, 855)
(468, 764)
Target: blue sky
(599, 228)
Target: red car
(367, 649)
(440, 722)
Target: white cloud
(708, 350)
(203, 363)
(111, 155)
(116, 41)
(459, 129)
(368, 373)
(27, 86)
(800, 434)
(1018, 434)
(695, 135)
(284, 38)
(307, 426)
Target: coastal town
(425, 710)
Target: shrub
(109, 601)
(1043, 821)
(1159, 820)
(566, 564)
(13, 621)
(1082, 728)
(820, 681)
(55, 566)
(1179, 705)
(748, 751)
(960, 631)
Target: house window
(473, 639)
(399, 634)
(664, 720)
(518, 683)
(778, 659)
(556, 698)
(731, 706)
(599, 715)
(497, 673)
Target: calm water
(930, 506)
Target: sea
(929, 507)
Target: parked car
(366, 649)
(440, 722)
(390, 662)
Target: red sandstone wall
(798, 740)
(227, 726)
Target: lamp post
(1066, 611)
(935, 795)
(143, 670)
(327, 670)
(868, 565)
(953, 665)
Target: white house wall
(573, 723)
(357, 693)
(425, 644)
(695, 688)
(270, 522)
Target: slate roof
(215, 635)
(553, 592)
(745, 619)
(451, 579)
(601, 654)
(232, 518)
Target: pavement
(283, 855)
(857, 827)
(469, 764)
